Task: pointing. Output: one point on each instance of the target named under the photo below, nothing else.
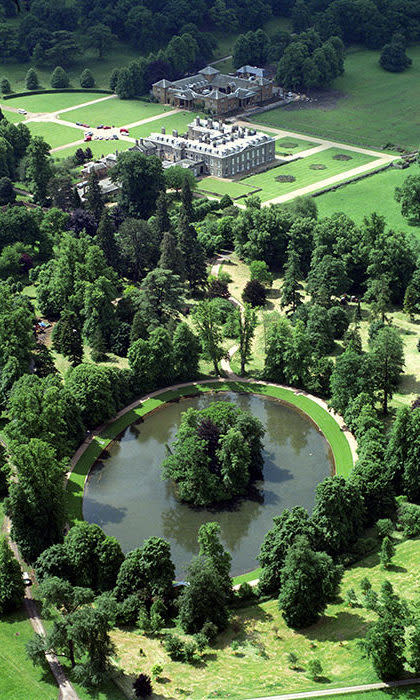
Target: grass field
(98, 148)
(221, 187)
(302, 172)
(13, 117)
(115, 112)
(367, 106)
(288, 144)
(411, 692)
(325, 422)
(178, 121)
(55, 134)
(375, 193)
(52, 102)
(259, 665)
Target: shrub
(174, 646)
(351, 598)
(209, 630)
(201, 641)
(7, 192)
(5, 86)
(409, 519)
(190, 652)
(245, 591)
(114, 79)
(314, 669)
(86, 79)
(339, 321)
(32, 82)
(156, 670)
(128, 610)
(254, 294)
(292, 659)
(385, 527)
(142, 686)
(59, 78)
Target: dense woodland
(133, 308)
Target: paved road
(342, 691)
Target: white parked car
(22, 111)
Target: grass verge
(114, 112)
(325, 422)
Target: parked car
(26, 579)
(87, 138)
(100, 126)
(115, 136)
(123, 130)
(85, 126)
(22, 111)
(107, 127)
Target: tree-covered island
(216, 455)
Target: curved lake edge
(341, 444)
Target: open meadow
(374, 193)
(115, 112)
(211, 185)
(366, 105)
(305, 171)
(247, 658)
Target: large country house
(215, 92)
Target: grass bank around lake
(325, 422)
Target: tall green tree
(105, 239)
(36, 499)
(208, 324)
(290, 291)
(59, 78)
(247, 323)
(339, 514)
(94, 202)
(67, 337)
(31, 80)
(11, 584)
(308, 582)
(212, 548)
(101, 38)
(409, 197)
(38, 168)
(193, 254)
(387, 361)
(186, 200)
(186, 352)
(384, 645)
(171, 257)
(141, 180)
(279, 335)
(204, 599)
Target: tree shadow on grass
(396, 569)
(344, 626)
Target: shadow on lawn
(344, 626)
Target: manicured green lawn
(18, 678)
(51, 102)
(221, 187)
(178, 121)
(302, 172)
(115, 112)
(288, 145)
(375, 193)
(98, 148)
(259, 666)
(374, 107)
(325, 422)
(12, 116)
(55, 134)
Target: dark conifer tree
(163, 221)
(171, 256)
(94, 201)
(105, 239)
(194, 260)
(186, 199)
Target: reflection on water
(126, 496)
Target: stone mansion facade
(215, 92)
(211, 148)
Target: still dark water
(125, 495)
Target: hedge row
(45, 92)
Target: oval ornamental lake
(126, 496)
